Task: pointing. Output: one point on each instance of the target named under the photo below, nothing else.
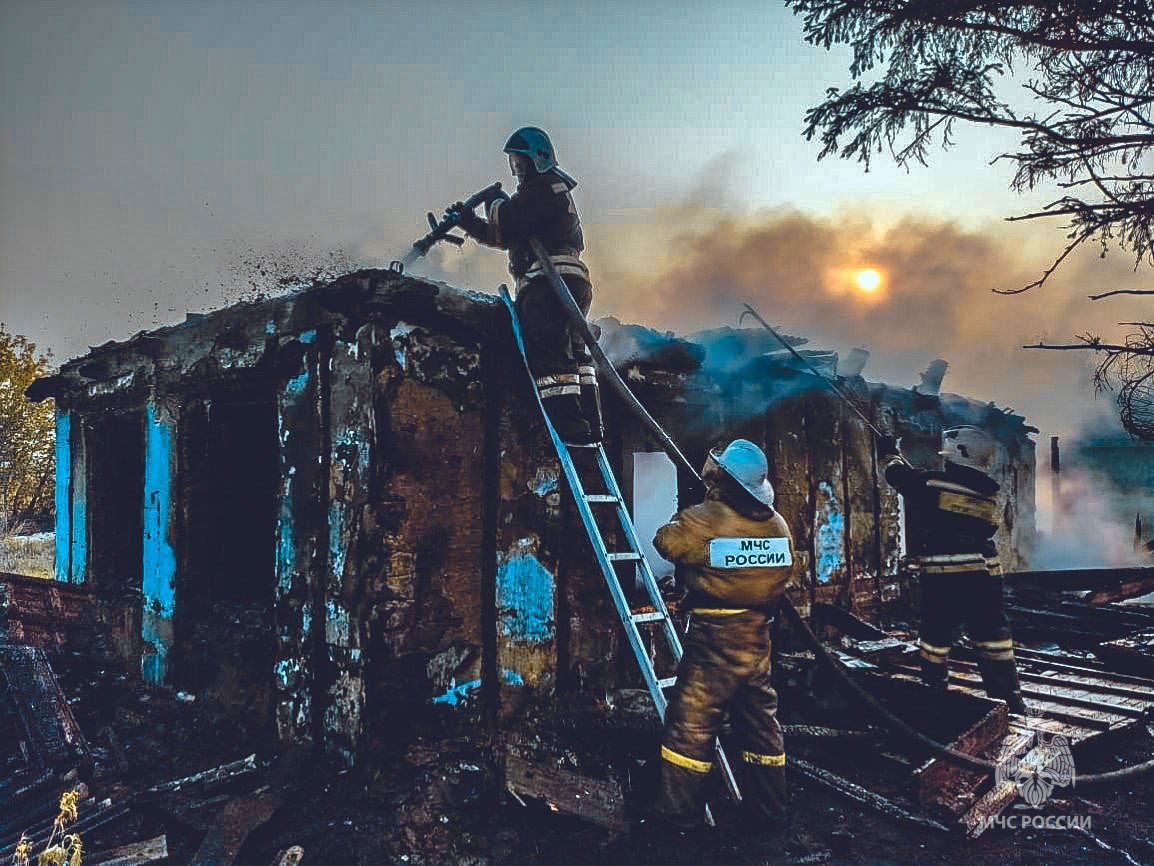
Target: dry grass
(32, 555)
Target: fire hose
(888, 719)
(899, 726)
(795, 619)
(838, 670)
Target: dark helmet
(535, 144)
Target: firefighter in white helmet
(951, 517)
(735, 557)
(542, 207)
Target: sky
(165, 157)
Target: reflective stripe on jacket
(954, 511)
(685, 540)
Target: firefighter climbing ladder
(610, 496)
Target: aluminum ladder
(610, 496)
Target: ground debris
(206, 777)
(236, 821)
(147, 851)
(289, 857)
(50, 735)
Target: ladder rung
(652, 616)
(606, 559)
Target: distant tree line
(27, 436)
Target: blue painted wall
(291, 400)
(63, 496)
(79, 555)
(525, 598)
(829, 538)
(159, 556)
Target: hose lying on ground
(899, 726)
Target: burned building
(335, 510)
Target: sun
(868, 280)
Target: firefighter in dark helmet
(542, 207)
(735, 556)
(951, 517)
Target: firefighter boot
(568, 419)
(681, 797)
(591, 403)
(764, 797)
(1000, 680)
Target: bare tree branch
(1091, 75)
(1120, 292)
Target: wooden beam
(49, 731)
(944, 783)
(216, 774)
(846, 788)
(147, 851)
(239, 818)
(565, 791)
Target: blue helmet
(535, 144)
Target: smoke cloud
(691, 266)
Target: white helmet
(745, 463)
(968, 446)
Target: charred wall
(334, 513)
(845, 519)
(338, 513)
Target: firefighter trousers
(725, 666)
(559, 359)
(973, 599)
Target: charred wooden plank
(91, 816)
(561, 790)
(1086, 669)
(1135, 652)
(863, 551)
(976, 821)
(1121, 591)
(1094, 706)
(946, 784)
(788, 455)
(41, 612)
(1093, 579)
(207, 777)
(51, 736)
(846, 788)
(147, 851)
(823, 733)
(237, 820)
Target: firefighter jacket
(948, 513)
(729, 559)
(542, 207)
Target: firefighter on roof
(735, 556)
(542, 206)
(951, 517)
